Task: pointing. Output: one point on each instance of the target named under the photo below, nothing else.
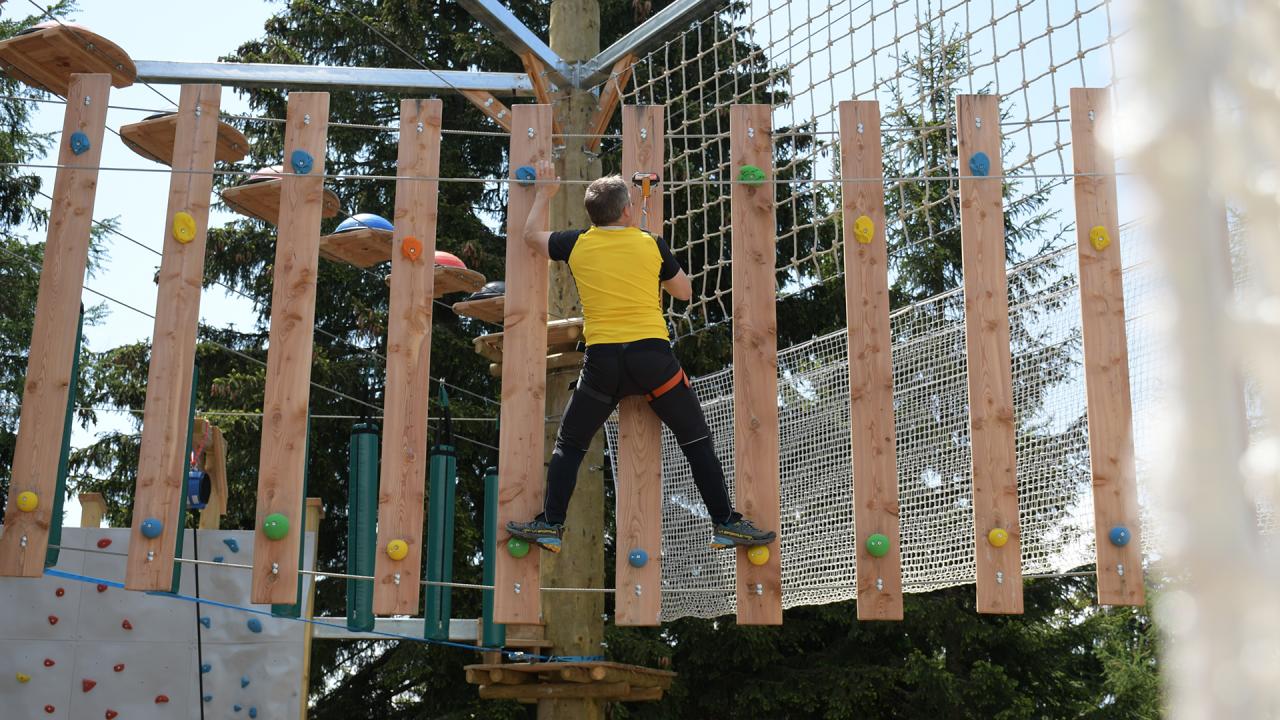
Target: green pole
(362, 528)
(64, 458)
(494, 635)
(182, 496)
(294, 610)
(440, 511)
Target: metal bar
(645, 37)
(460, 629)
(325, 77)
(520, 39)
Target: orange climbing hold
(53, 619)
(50, 709)
(411, 248)
(126, 624)
(48, 662)
(162, 699)
(102, 588)
(111, 715)
(86, 685)
(104, 542)
(119, 667)
(59, 592)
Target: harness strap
(668, 386)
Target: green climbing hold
(276, 526)
(517, 547)
(751, 175)
(878, 545)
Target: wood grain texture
(261, 199)
(639, 466)
(25, 537)
(283, 459)
(866, 286)
(610, 96)
(516, 597)
(491, 106)
(163, 453)
(363, 247)
(215, 463)
(155, 138)
(755, 360)
(402, 479)
(986, 315)
(1106, 353)
(50, 57)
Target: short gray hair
(606, 199)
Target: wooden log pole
(516, 597)
(1117, 527)
(282, 460)
(639, 483)
(25, 538)
(866, 285)
(755, 358)
(986, 315)
(401, 490)
(163, 455)
(92, 509)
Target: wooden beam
(25, 537)
(401, 489)
(92, 510)
(755, 359)
(542, 691)
(491, 106)
(282, 460)
(215, 463)
(516, 597)
(639, 513)
(610, 95)
(986, 316)
(1106, 353)
(537, 72)
(866, 285)
(163, 452)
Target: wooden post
(25, 537)
(282, 460)
(755, 359)
(163, 455)
(986, 316)
(401, 491)
(92, 510)
(315, 513)
(866, 286)
(1106, 355)
(516, 597)
(215, 463)
(639, 467)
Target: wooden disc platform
(261, 199)
(450, 279)
(530, 682)
(48, 57)
(489, 310)
(562, 337)
(363, 247)
(153, 139)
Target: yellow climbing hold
(1099, 238)
(998, 537)
(397, 549)
(184, 227)
(758, 554)
(24, 678)
(864, 229)
(28, 501)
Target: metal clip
(999, 578)
(860, 128)
(977, 121)
(638, 590)
(88, 100)
(306, 119)
(421, 127)
(644, 133)
(396, 578)
(751, 132)
(759, 589)
(879, 583)
(23, 541)
(1092, 116)
(275, 568)
(197, 111)
(517, 588)
(488, 101)
(532, 134)
(151, 555)
(1120, 569)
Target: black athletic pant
(611, 372)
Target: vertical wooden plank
(639, 483)
(401, 493)
(1106, 354)
(163, 453)
(755, 359)
(215, 463)
(986, 322)
(25, 537)
(516, 597)
(283, 457)
(866, 286)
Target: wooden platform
(261, 200)
(47, 58)
(558, 680)
(555, 361)
(562, 337)
(153, 139)
(489, 310)
(363, 247)
(450, 279)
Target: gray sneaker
(739, 531)
(546, 535)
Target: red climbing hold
(126, 625)
(59, 592)
(111, 714)
(50, 709)
(119, 667)
(53, 619)
(162, 699)
(104, 542)
(102, 588)
(48, 662)
(86, 685)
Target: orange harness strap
(668, 386)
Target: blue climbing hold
(233, 544)
(79, 143)
(525, 174)
(206, 668)
(1119, 536)
(301, 162)
(255, 625)
(219, 558)
(253, 712)
(237, 707)
(205, 621)
(151, 528)
(364, 220)
(638, 558)
(244, 681)
(979, 164)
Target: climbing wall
(75, 648)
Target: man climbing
(618, 269)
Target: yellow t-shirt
(618, 271)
